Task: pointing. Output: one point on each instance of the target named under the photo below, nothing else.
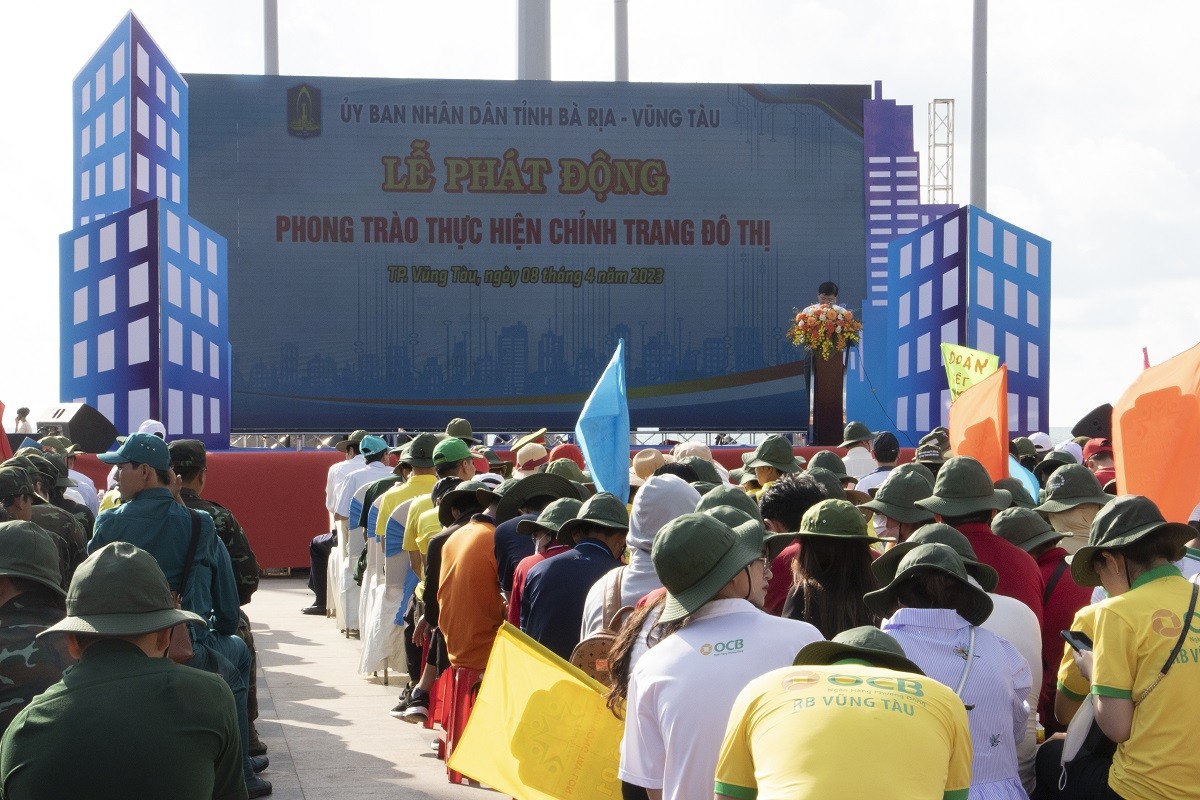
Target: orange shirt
(471, 608)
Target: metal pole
(979, 107)
(621, 39)
(270, 37)
(533, 40)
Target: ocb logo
(722, 648)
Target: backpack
(591, 655)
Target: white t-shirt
(354, 481)
(86, 489)
(859, 462)
(681, 692)
(1013, 620)
(873, 479)
(333, 479)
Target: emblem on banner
(304, 111)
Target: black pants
(318, 557)
(1087, 776)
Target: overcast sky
(1093, 110)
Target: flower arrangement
(824, 329)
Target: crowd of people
(1029, 637)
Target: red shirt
(1065, 599)
(1020, 577)
(518, 585)
(781, 579)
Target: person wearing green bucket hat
(555, 589)
(772, 459)
(154, 728)
(965, 499)
(857, 439)
(791, 731)
(827, 459)
(31, 599)
(832, 571)
(936, 613)
(1062, 596)
(681, 690)
(1071, 500)
(1146, 693)
(895, 513)
(546, 544)
(782, 507)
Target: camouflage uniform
(29, 666)
(72, 545)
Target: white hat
(1071, 448)
(153, 426)
(1041, 441)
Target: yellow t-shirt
(415, 485)
(413, 525)
(792, 734)
(1070, 681)
(1135, 633)
(111, 499)
(428, 526)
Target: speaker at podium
(86, 427)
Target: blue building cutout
(967, 278)
(143, 286)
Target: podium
(828, 377)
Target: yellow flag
(965, 367)
(539, 729)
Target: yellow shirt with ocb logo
(1135, 633)
(794, 732)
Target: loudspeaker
(83, 425)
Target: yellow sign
(965, 366)
(539, 729)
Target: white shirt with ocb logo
(681, 692)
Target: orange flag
(1156, 435)
(979, 423)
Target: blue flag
(603, 429)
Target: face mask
(1076, 521)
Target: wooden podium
(828, 376)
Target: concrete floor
(327, 727)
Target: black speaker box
(79, 422)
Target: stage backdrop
(403, 251)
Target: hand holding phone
(1078, 640)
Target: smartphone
(1077, 639)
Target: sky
(1093, 116)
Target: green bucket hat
(187, 454)
(1124, 521)
(703, 468)
(827, 459)
(459, 428)
(1070, 486)
(727, 495)
(27, 551)
(467, 490)
(602, 509)
(964, 487)
(488, 497)
(1020, 495)
(418, 451)
(931, 558)
(694, 556)
(60, 473)
(1024, 448)
(568, 469)
(856, 432)
(59, 444)
(774, 451)
(539, 484)
(552, 518)
(742, 476)
(885, 566)
(741, 523)
(828, 481)
(866, 642)
(352, 440)
(1053, 460)
(119, 590)
(1025, 528)
(703, 487)
(14, 481)
(898, 494)
(839, 519)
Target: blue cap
(370, 445)
(140, 448)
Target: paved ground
(327, 727)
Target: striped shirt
(996, 691)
